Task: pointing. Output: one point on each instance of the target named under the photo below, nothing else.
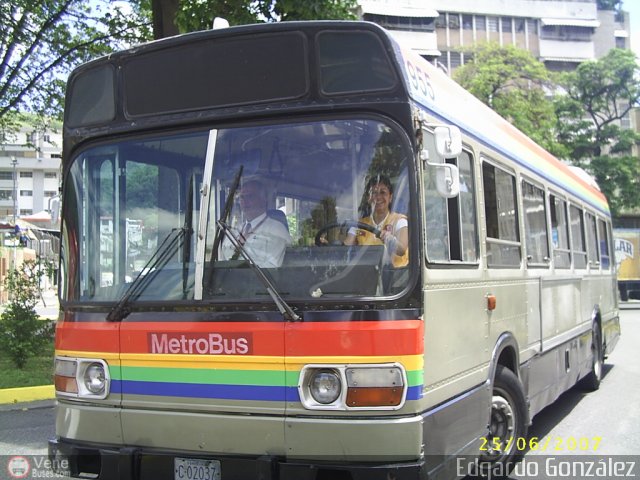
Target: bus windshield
(298, 197)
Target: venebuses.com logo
(36, 466)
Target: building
(559, 33)
(29, 173)
(30, 179)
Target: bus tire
(507, 438)
(591, 381)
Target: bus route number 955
(196, 469)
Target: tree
(599, 95)
(22, 334)
(512, 82)
(192, 16)
(41, 41)
(609, 4)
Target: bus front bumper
(124, 463)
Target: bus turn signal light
(491, 302)
(374, 386)
(374, 396)
(65, 384)
(65, 376)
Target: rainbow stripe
(270, 373)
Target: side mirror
(447, 179)
(448, 141)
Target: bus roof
(448, 101)
(289, 65)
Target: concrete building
(559, 33)
(29, 172)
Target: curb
(26, 394)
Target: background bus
(330, 361)
(627, 248)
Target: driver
(393, 226)
(264, 238)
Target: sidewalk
(47, 306)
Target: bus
(331, 361)
(627, 248)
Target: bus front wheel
(507, 436)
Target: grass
(37, 371)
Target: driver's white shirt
(265, 243)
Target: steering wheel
(361, 225)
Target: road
(591, 425)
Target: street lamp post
(14, 163)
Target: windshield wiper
(225, 215)
(284, 308)
(186, 251)
(158, 260)
(225, 218)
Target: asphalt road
(579, 428)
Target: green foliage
(512, 82)
(599, 94)
(602, 91)
(193, 16)
(288, 10)
(609, 4)
(22, 334)
(619, 180)
(37, 371)
(41, 41)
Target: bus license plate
(196, 469)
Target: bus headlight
(353, 387)
(325, 386)
(95, 379)
(81, 377)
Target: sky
(633, 7)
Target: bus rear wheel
(592, 381)
(507, 436)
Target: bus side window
(559, 232)
(452, 233)
(592, 241)
(535, 221)
(503, 240)
(578, 244)
(603, 239)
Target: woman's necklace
(378, 225)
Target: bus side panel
(561, 309)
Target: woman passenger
(393, 226)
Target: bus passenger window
(603, 238)
(452, 233)
(592, 241)
(578, 244)
(559, 232)
(535, 221)
(503, 241)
